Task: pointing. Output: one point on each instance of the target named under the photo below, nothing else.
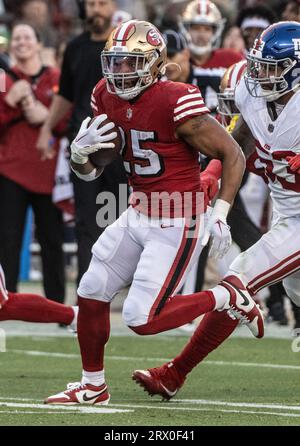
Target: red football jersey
(20, 161)
(155, 160)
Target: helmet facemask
(205, 13)
(266, 78)
(226, 105)
(128, 73)
(200, 50)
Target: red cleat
(78, 393)
(164, 380)
(243, 307)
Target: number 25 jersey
(156, 161)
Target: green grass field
(245, 382)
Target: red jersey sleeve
(186, 102)
(96, 98)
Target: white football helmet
(134, 57)
(202, 12)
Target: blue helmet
(273, 64)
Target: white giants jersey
(275, 141)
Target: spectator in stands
(37, 14)
(233, 39)
(81, 71)
(252, 21)
(291, 11)
(24, 179)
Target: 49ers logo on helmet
(153, 37)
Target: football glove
(294, 162)
(209, 185)
(218, 231)
(91, 138)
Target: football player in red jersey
(202, 24)
(154, 242)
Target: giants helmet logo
(153, 37)
(297, 47)
(258, 45)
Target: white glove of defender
(218, 230)
(90, 139)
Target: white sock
(222, 297)
(95, 378)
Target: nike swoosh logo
(192, 90)
(246, 300)
(87, 398)
(169, 391)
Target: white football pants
(154, 255)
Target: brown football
(103, 157)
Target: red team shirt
(154, 158)
(20, 161)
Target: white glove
(90, 139)
(217, 229)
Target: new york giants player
(268, 99)
(154, 243)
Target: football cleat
(78, 393)
(243, 307)
(163, 381)
(3, 292)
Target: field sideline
(245, 382)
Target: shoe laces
(75, 386)
(243, 319)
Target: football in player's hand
(103, 157)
